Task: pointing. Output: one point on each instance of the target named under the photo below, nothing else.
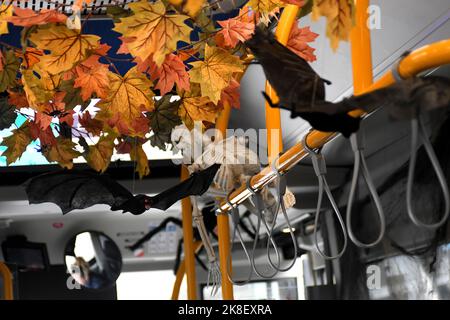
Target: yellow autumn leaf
(264, 6)
(100, 154)
(128, 96)
(63, 152)
(153, 30)
(16, 143)
(190, 7)
(340, 18)
(5, 11)
(137, 154)
(67, 47)
(215, 72)
(10, 68)
(197, 109)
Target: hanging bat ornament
(302, 91)
(72, 189)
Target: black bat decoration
(302, 91)
(72, 189)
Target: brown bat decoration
(302, 91)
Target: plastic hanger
(360, 164)
(320, 169)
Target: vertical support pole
(361, 49)
(7, 282)
(223, 224)
(188, 241)
(273, 119)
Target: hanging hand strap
(235, 220)
(418, 132)
(259, 205)
(320, 168)
(360, 164)
(281, 186)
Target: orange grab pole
(7, 282)
(273, 119)
(188, 240)
(180, 274)
(425, 58)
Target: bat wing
(296, 83)
(72, 189)
(197, 184)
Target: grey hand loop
(320, 169)
(360, 163)
(281, 188)
(259, 204)
(235, 219)
(418, 132)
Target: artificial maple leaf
(28, 17)
(67, 47)
(117, 12)
(162, 120)
(10, 68)
(298, 42)
(231, 95)
(99, 155)
(138, 155)
(67, 118)
(264, 6)
(194, 109)
(17, 99)
(128, 96)
(91, 125)
(42, 120)
(63, 152)
(5, 12)
(138, 127)
(92, 80)
(123, 49)
(30, 57)
(340, 18)
(233, 31)
(189, 7)
(187, 54)
(215, 72)
(298, 3)
(45, 136)
(37, 93)
(73, 95)
(154, 31)
(7, 113)
(172, 71)
(16, 143)
(2, 61)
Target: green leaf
(162, 120)
(73, 95)
(10, 68)
(7, 114)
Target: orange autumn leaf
(154, 31)
(234, 31)
(63, 152)
(67, 47)
(123, 49)
(45, 135)
(19, 100)
(99, 155)
(299, 3)
(194, 109)
(6, 11)
(30, 57)
(92, 80)
(27, 17)
(298, 42)
(91, 125)
(128, 97)
(187, 54)
(138, 127)
(172, 71)
(231, 95)
(42, 120)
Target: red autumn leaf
(123, 147)
(45, 137)
(138, 128)
(298, 42)
(42, 120)
(299, 3)
(28, 17)
(231, 94)
(92, 125)
(67, 118)
(171, 72)
(233, 31)
(19, 100)
(92, 80)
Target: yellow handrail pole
(361, 49)
(223, 224)
(180, 274)
(188, 241)
(422, 59)
(273, 119)
(7, 282)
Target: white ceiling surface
(405, 24)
